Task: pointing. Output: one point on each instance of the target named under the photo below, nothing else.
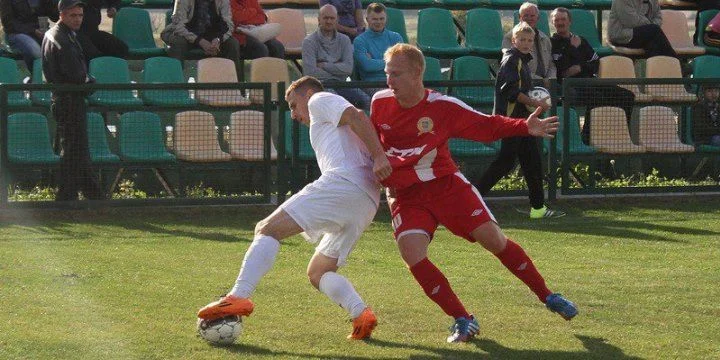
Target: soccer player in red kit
(426, 188)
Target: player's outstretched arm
(361, 126)
(546, 127)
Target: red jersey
(416, 139)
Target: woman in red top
(249, 12)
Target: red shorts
(451, 201)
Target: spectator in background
(249, 12)
(204, 24)
(350, 16)
(636, 24)
(370, 46)
(64, 63)
(512, 86)
(98, 43)
(574, 57)
(706, 118)
(22, 28)
(327, 55)
(541, 64)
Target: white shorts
(335, 210)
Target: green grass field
(126, 283)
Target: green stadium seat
(396, 22)
(40, 97)
(583, 24)
(433, 72)
(484, 33)
(305, 151)
(548, 4)
(416, 4)
(28, 140)
(506, 4)
(111, 70)
(465, 4)
(9, 74)
(597, 4)
(164, 70)
(463, 148)
(703, 18)
(141, 138)
(437, 35)
(576, 145)
(706, 66)
(97, 140)
(133, 26)
(543, 24)
(473, 68)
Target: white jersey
(339, 151)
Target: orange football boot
(226, 306)
(363, 325)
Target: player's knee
(490, 237)
(264, 227)
(314, 275)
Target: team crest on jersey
(424, 125)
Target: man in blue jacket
(370, 46)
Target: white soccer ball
(541, 94)
(223, 331)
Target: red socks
(437, 288)
(516, 260)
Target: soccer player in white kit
(335, 209)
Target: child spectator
(514, 81)
(706, 124)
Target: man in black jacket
(64, 64)
(97, 43)
(574, 57)
(22, 29)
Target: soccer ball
(539, 93)
(221, 331)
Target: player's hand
(543, 103)
(381, 167)
(575, 40)
(111, 11)
(546, 127)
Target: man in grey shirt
(328, 56)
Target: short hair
(411, 52)
(376, 8)
(561, 10)
(527, 5)
(522, 27)
(304, 84)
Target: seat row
(141, 139)
(157, 70)
(659, 67)
(450, 4)
(437, 34)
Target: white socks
(341, 292)
(259, 259)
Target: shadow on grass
(596, 348)
(252, 350)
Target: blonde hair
(304, 84)
(522, 27)
(410, 52)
